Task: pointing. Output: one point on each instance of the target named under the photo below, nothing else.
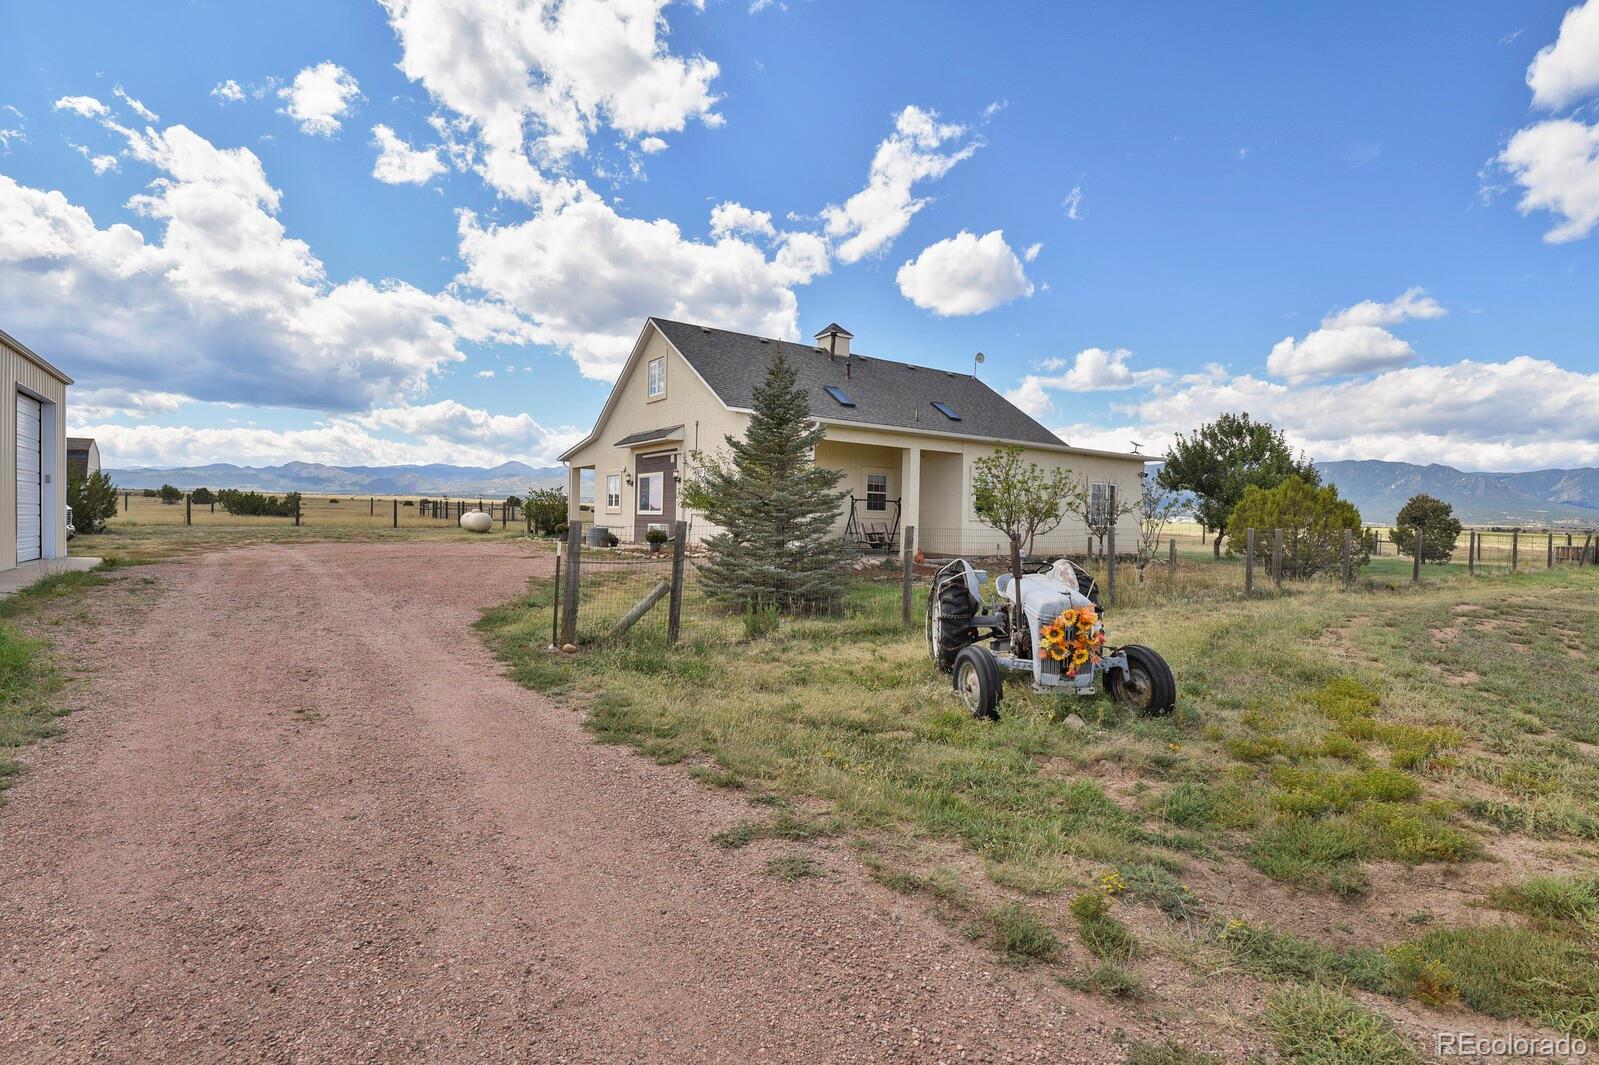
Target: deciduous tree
(1440, 529)
(1223, 458)
(1017, 496)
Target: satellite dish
(1136, 446)
(977, 360)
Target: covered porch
(893, 485)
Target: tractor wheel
(978, 683)
(950, 610)
(1148, 687)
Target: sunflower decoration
(1073, 637)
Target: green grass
(1506, 971)
(1557, 901)
(793, 867)
(1020, 933)
(1170, 1053)
(1105, 937)
(1320, 1026)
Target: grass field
(317, 511)
(1374, 804)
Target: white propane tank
(476, 521)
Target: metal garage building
(33, 456)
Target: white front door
(30, 478)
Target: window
(613, 491)
(658, 377)
(1101, 504)
(877, 491)
(650, 497)
(946, 410)
(839, 394)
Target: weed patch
(1317, 1025)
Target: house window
(613, 491)
(651, 499)
(1101, 504)
(946, 410)
(877, 491)
(658, 377)
(840, 395)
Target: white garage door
(30, 486)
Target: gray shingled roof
(670, 431)
(885, 392)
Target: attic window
(839, 394)
(946, 410)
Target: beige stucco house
(904, 436)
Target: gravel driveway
(302, 816)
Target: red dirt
(301, 816)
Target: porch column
(574, 485)
(910, 492)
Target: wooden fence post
(1415, 561)
(1249, 562)
(371, 506)
(1110, 559)
(297, 501)
(1549, 560)
(188, 509)
(674, 613)
(1471, 553)
(574, 573)
(396, 514)
(1171, 556)
(1515, 550)
(907, 572)
(1277, 558)
(1349, 558)
(555, 603)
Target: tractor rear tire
(1148, 687)
(978, 682)
(950, 609)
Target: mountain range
(1378, 488)
(1538, 497)
(431, 479)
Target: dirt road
(301, 816)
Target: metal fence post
(908, 571)
(674, 611)
(1415, 562)
(1110, 559)
(1349, 558)
(1277, 558)
(1515, 550)
(1249, 562)
(574, 560)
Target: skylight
(839, 394)
(946, 410)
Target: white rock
(476, 521)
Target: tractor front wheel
(978, 682)
(1147, 687)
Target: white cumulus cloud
(920, 148)
(1557, 165)
(85, 106)
(229, 92)
(1353, 340)
(1564, 72)
(400, 164)
(964, 274)
(1092, 370)
(319, 97)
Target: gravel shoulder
(300, 815)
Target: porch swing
(872, 534)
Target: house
(83, 457)
(904, 436)
(33, 456)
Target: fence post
(188, 510)
(1582, 559)
(297, 501)
(1249, 562)
(504, 516)
(674, 612)
(907, 571)
(371, 506)
(1110, 559)
(1471, 554)
(396, 514)
(1277, 558)
(1171, 556)
(555, 602)
(1515, 550)
(1549, 560)
(1415, 561)
(574, 574)
(1349, 558)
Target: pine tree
(776, 508)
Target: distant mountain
(431, 479)
(1379, 489)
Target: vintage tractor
(1046, 624)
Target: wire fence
(147, 507)
(667, 594)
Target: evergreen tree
(776, 508)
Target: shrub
(1552, 900)
(656, 536)
(546, 508)
(204, 497)
(256, 505)
(170, 494)
(1315, 1024)
(1312, 519)
(93, 500)
(1439, 528)
(1021, 933)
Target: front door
(655, 493)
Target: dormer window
(657, 378)
(946, 410)
(840, 395)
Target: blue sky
(369, 233)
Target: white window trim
(617, 507)
(869, 475)
(649, 367)
(1103, 512)
(662, 495)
